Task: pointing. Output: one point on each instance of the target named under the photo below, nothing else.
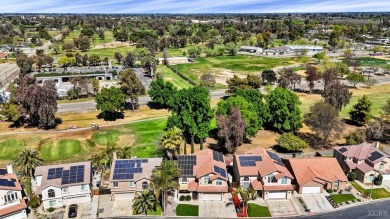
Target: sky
(191, 6)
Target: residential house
(366, 159)
(129, 176)
(265, 172)
(203, 176)
(63, 184)
(12, 204)
(314, 174)
(251, 49)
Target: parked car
(72, 211)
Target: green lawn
(147, 135)
(175, 79)
(239, 64)
(376, 193)
(187, 210)
(9, 149)
(62, 149)
(340, 198)
(255, 210)
(106, 137)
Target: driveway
(216, 209)
(108, 208)
(316, 202)
(85, 210)
(386, 184)
(281, 207)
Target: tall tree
(208, 80)
(268, 76)
(312, 75)
(324, 119)
(337, 95)
(131, 86)
(361, 112)
(236, 83)
(95, 85)
(162, 93)
(27, 160)
(24, 63)
(171, 140)
(79, 85)
(330, 76)
(258, 100)
(144, 201)
(231, 129)
(285, 114)
(110, 101)
(118, 57)
(129, 60)
(288, 79)
(354, 79)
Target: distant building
(280, 50)
(251, 49)
(12, 204)
(310, 50)
(174, 60)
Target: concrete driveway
(281, 207)
(216, 209)
(86, 210)
(316, 202)
(108, 208)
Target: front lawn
(255, 210)
(187, 210)
(376, 193)
(340, 198)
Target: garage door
(76, 200)
(311, 190)
(386, 177)
(211, 197)
(272, 195)
(124, 196)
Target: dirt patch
(301, 72)
(112, 45)
(221, 75)
(383, 57)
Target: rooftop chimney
(114, 155)
(377, 144)
(9, 169)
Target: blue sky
(190, 6)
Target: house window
(83, 187)
(184, 180)
(336, 185)
(245, 183)
(381, 166)
(132, 184)
(65, 189)
(284, 180)
(115, 184)
(218, 182)
(271, 178)
(51, 193)
(52, 203)
(206, 180)
(144, 185)
(372, 177)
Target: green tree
(259, 102)
(231, 48)
(55, 47)
(361, 112)
(27, 160)
(131, 86)
(312, 75)
(110, 101)
(11, 111)
(171, 140)
(385, 111)
(164, 178)
(285, 114)
(144, 201)
(356, 137)
(378, 180)
(337, 95)
(237, 83)
(355, 78)
(291, 142)
(24, 63)
(142, 55)
(118, 57)
(84, 43)
(95, 85)
(319, 56)
(162, 93)
(268, 76)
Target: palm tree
(145, 201)
(97, 159)
(124, 153)
(246, 195)
(27, 160)
(164, 178)
(171, 140)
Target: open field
(175, 79)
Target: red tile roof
(9, 177)
(361, 151)
(264, 167)
(256, 185)
(364, 167)
(14, 208)
(319, 169)
(278, 187)
(194, 187)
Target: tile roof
(147, 169)
(264, 167)
(256, 185)
(351, 164)
(14, 208)
(364, 167)
(361, 151)
(43, 171)
(319, 169)
(194, 187)
(278, 187)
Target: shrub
(329, 190)
(182, 198)
(378, 180)
(50, 210)
(34, 202)
(334, 190)
(291, 142)
(352, 176)
(341, 192)
(353, 200)
(188, 198)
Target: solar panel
(75, 174)
(5, 182)
(246, 161)
(220, 171)
(217, 156)
(125, 169)
(375, 155)
(186, 164)
(342, 150)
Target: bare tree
(208, 80)
(312, 76)
(231, 129)
(288, 79)
(337, 95)
(329, 76)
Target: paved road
(379, 209)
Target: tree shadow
(217, 147)
(156, 106)
(311, 138)
(111, 116)
(351, 122)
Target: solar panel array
(186, 164)
(376, 155)
(217, 156)
(5, 182)
(249, 161)
(275, 158)
(342, 150)
(220, 171)
(74, 175)
(125, 169)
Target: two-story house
(314, 174)
(265, 172)
(203, 176)
(12, 205)
(63, 184)
(129, 176)
(367, 160)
